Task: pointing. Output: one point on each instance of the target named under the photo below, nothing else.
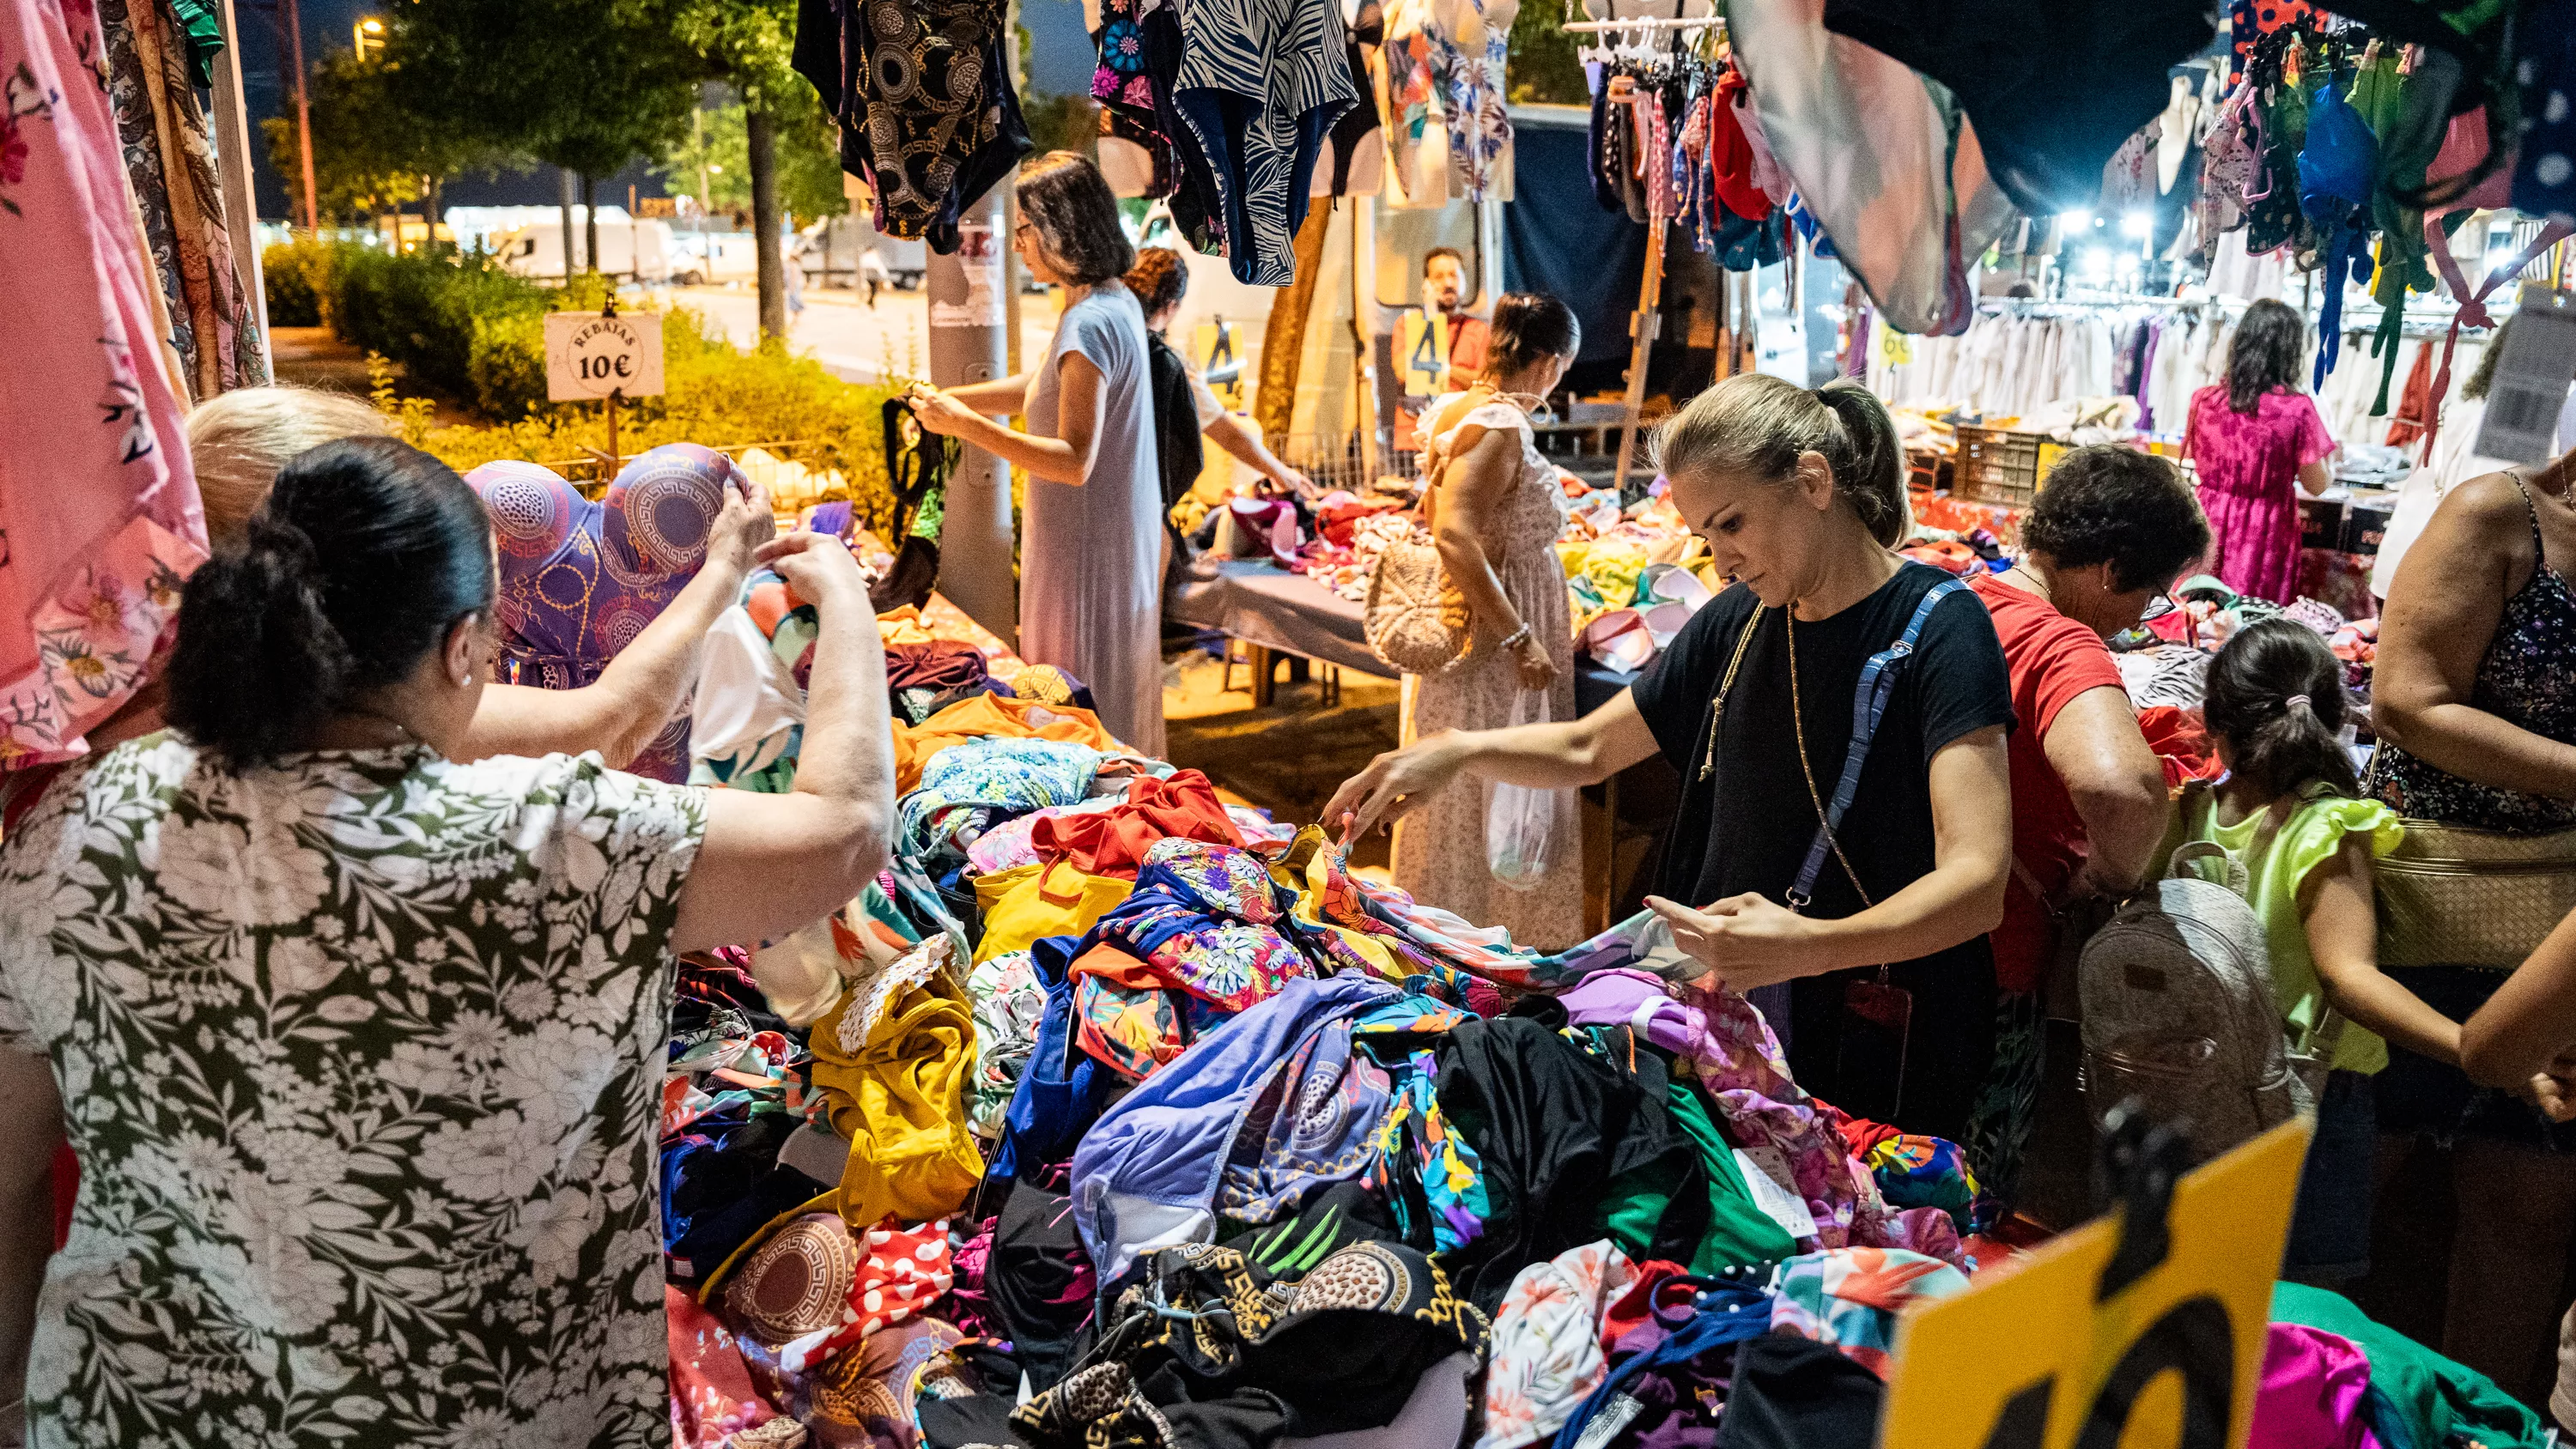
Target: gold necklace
(1717, 701)
(1798, 723)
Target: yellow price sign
(1422, 353)
(1894, 347)
(2099, 1341)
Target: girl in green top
(2286, 810)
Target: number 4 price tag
(589, 356)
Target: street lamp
(366, 33)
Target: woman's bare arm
(2444, 608)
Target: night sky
(1061, 63)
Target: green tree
(717, 153)
(1543, 67)
(372, 150)
(748, 44)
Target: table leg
(1264, 687)
(1601, 860)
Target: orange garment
(2415, 407)
(1114, 841)
(991, 714)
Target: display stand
(1648, 320)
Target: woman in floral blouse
(358, 1046)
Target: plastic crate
(1997, 466)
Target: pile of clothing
(1633, 576)
(1115, 1116)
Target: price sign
(2530, 385)
(2080, 1348)
(589, 356)
(1422, 354)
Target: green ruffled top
(2308, 840)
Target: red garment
(2052, 660)
(2415, 405)
(1859, 1135)
(1730, 155)
(2180, 742)
(1114, 841)
(712, 1396)
(1634, 1306)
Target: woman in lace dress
(1495, 510)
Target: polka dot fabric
(903, 1272)
(2248, 21)
(2544, 181)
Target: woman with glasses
(1092, 541)
(2110, 532)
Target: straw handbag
(1415, 618)
(2453, 896)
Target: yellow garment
(1305, 869)
(1612, 565)
(890, 1070)
(1029, 901)
(991, 714)
(902, 626)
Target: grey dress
(1091, 560)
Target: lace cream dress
(1440, 844)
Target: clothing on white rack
(2234, 274)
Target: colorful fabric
(1547, 1353)
(97, 499)
(2314, 1393)
(1134, 1027)
(1309, 1128)
(1914, 1171)
(1151, 1166)
(1008, 1003)
(1850, 1298)
(713, 1398)
(1115, 841)
(990, 715)
(1025, 905)
(971, 784)
(816, 1289)
(580, 579)
(1201, 917)
(502, 1028)
(890, 1069)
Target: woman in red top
(2257, 442)
(2112, 529)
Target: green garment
(2309, 840)
(2418, 1399)
(1740, 1233)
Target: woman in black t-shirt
(1801, 495)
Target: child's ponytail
(2276, 698)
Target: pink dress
(2249, 484)
(99, 519)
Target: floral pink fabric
(99, 518)
(2249, 485)
(1546, 1352)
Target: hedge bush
(298, 278)
(715, 395)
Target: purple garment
(1310, 1127)
(1628, 997)
(579, 580)
(1146, 1174)
(2314, 1384)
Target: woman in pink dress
(2257, 441)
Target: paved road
(856, 341)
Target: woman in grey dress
(1091, 547)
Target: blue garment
(2544, 178)
(1146, 1175)
(983, 780)
(1063, 1090)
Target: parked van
(638, 249)
(839, 247)
(714, 256)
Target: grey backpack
(2179, 1011)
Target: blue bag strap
(1869, 704)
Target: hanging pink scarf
(99, 520)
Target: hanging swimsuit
(2054, 89)
(1260, 83)
(941, 122)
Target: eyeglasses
(2157, 608)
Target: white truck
(638, 249)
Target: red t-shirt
(2052, 659)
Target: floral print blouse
(360, 1056)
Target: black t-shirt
(1748, 827)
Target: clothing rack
(1647, 321)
